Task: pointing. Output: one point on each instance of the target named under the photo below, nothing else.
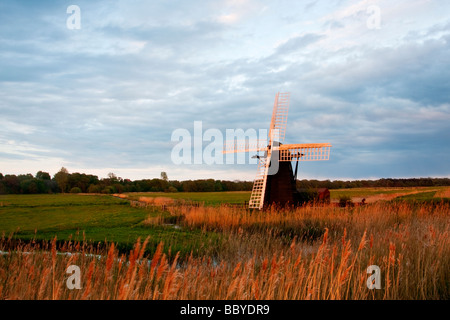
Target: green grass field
(96, 218)
(365, 192)
(217, 198)
(207, 198)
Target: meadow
(357, 194)
(90, 218)
(214, 250)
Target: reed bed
(263, 255)
(443, 193)
(157, 200)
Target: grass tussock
(306, 253)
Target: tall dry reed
(263, 255)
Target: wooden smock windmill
(275, 181)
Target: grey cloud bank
(108, 96)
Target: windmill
(275, 181)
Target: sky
(102, 88)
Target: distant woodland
(65, 182)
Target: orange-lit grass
(378, 217)
(157, 200)
(410, 244)
(443, 193)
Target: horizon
(101, 87)
(169, 179)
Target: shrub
(109, 190)
(94, 188)
(171, 189)
(306, 195)
(345, 201)
(75, 190)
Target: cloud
(108, 96)
(234, 11)
(297, 43)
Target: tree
(29, 186)
(112, 177)
(164, 176)
(12, 183)
(62, 178)
(43, 175)
(94, 188)
(217, 186)
(118, 188)
(80, 180)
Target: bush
(171, 189)
(306, 195)
(94, 188)
(75, 190)
(345, 201)
(109, 190)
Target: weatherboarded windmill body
(275, 181)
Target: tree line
(65, 182)
(384, 182)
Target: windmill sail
(277, 132)
(304, 152)
(278, 122)
(259, 184)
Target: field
(357, 194)
(206, 198)
(91, 218)
(375, 194)
(211, 250)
